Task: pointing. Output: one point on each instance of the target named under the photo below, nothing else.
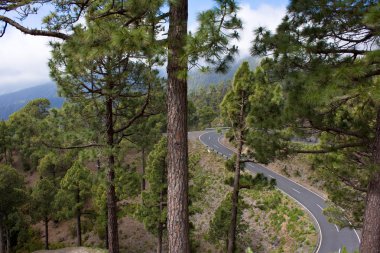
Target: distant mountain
(200, 79)
(12, 102)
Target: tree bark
(113, 237)
(143, 169)
(2, 244)
(370, 242)
(178, 214)
(79, 225)
(235, 198)
(46, 233)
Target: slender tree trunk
(113, 237)
(46, 233)
(159, 237)
(98, 165)
(178, 214)
(370, 242)
(143, 169)
(235, 198)
(2, 244)
(8, 238)
(106, 239)
(79, 225)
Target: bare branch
(34, 32)
(73, 147)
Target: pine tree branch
(329, 149)
(34, 32)
(337, 130)
(354, 185)
(138, 115)
(338, 51)
(369, 74)
(73, 147)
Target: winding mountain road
(331, 238)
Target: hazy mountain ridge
(12, 102)
(200, 79)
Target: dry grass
(265, 233)
(262, 235)
(298, 168)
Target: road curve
(331, 238)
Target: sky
(24, 58)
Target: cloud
(264, 15)
(23, 60)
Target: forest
(117, 168)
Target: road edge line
(316, 223)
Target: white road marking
(340, 250)
(296, 191)
(356, 233)
(337, 229)
(312, 215)
(320, 207)
(318, 195)
(209, 138)
(270, 176)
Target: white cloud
(264, 15)
(23, 60)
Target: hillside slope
(199, 79)
(12, 102)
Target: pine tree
(75, 190)
(118, 89)
(26, 126)
(221, 222)
(12, 196)
(235, 108)
(218, 27)
(153, 210)
(5, 143)
(326, 58)
(43, 196)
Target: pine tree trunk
(159, 237)
(8, 237)
(46, 233)
(370, 242)
(98, 165)
(235, 198)
(79, 227)
(106, 239)
(178, 214)
(143, 169)
(2, 244)
(113, 237)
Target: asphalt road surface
(331, 238)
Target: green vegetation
(264, 212)
(319, 80)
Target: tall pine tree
(235, 108)
(326, 57)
